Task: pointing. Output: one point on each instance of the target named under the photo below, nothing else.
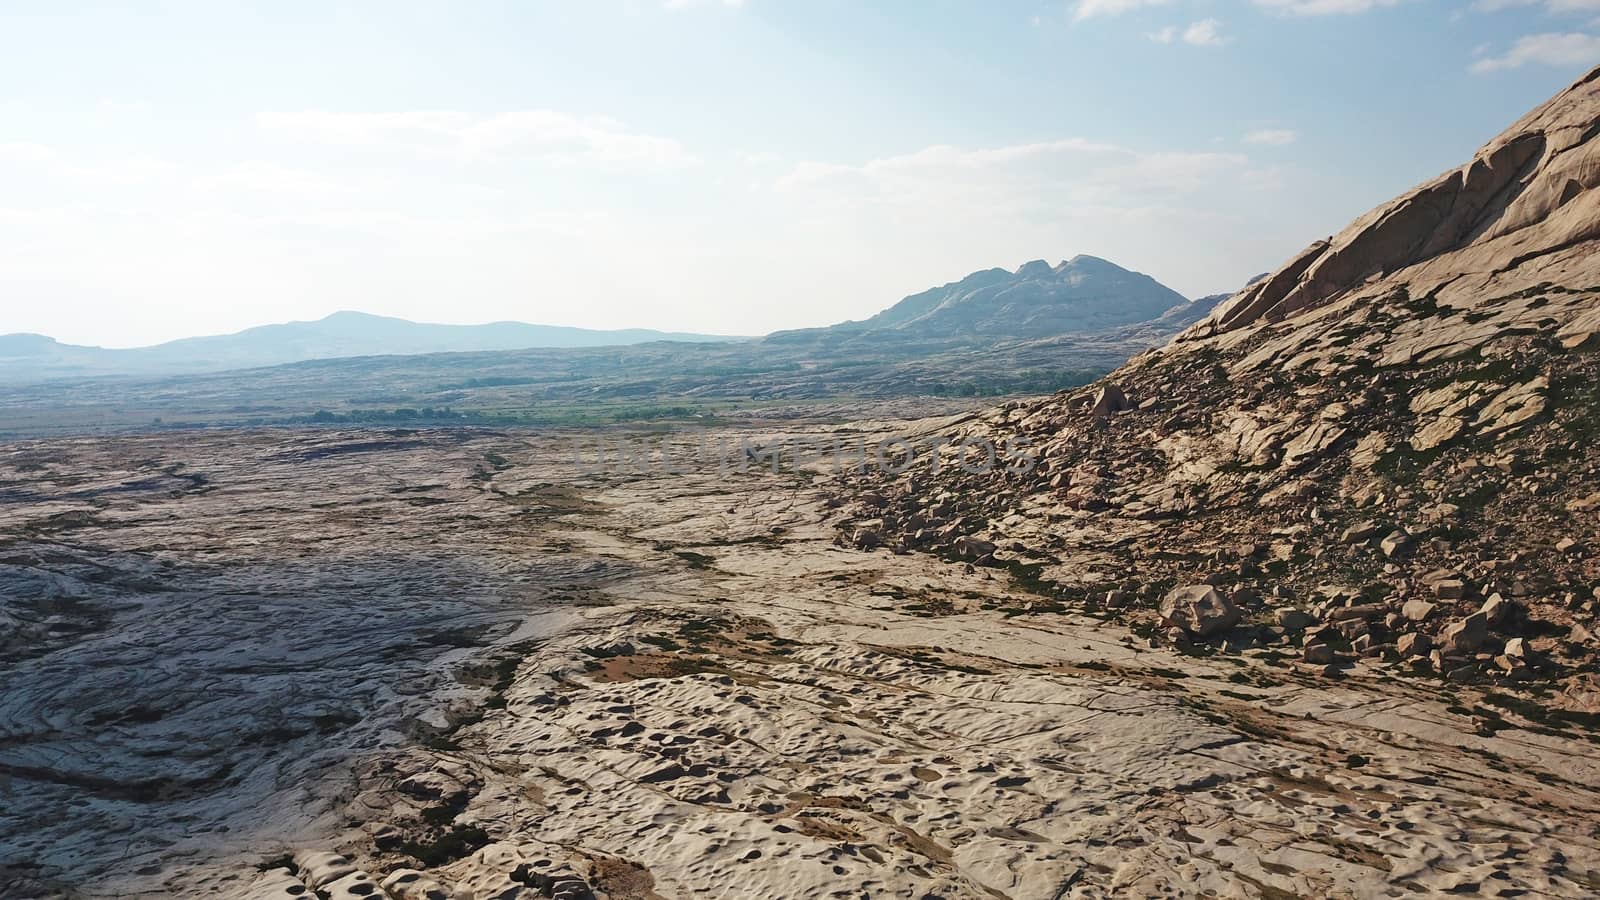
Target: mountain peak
(1085, 261)
(26, 343)
(1037, 268)
(1084, 294)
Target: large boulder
(1199, 609)
(1109, 401)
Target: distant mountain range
(343, 334)
(1083, 314)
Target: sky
(177, 168)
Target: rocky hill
(1379, 455)
(1081, 296)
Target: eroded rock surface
(733, 706)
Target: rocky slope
(1380, 452)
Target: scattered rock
(1199, 610)
(1418, 610)
(1413, 644)
(1109, 401)
(970, 548)
(866, 539)
(1360, 534)
(1466, 635)
(1496, 610)
(1292, 620)
(1318, 654)
(1397, 543)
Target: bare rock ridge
(1526, 196)
(1381, 455)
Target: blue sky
(178, 168)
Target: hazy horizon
(359, 312)
(716, 167)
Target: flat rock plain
(472, 664)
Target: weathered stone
(1396, 543)
(1360, 533)
(1417, 609)
(971, 548)
(1291, 619)
(1199, 610)
(1414, 644)
(1496, 610)
(1359, 611)
(1580, 635)
(278, 884)
(1466, 635)
(1318, 654)
(321, 868)
(410, 884)
(866, 539)
(354, 886)
(1109, 401)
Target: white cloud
(941, 161)
(1571, 49)
(117, 170)
(267, 177)
(1085, 170)
(1204, 33)
(1323, 7)
(1168, 171)
(26, 152)
(554, 137)
(1554, 7)
(1276, 137)
(1088, 9)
